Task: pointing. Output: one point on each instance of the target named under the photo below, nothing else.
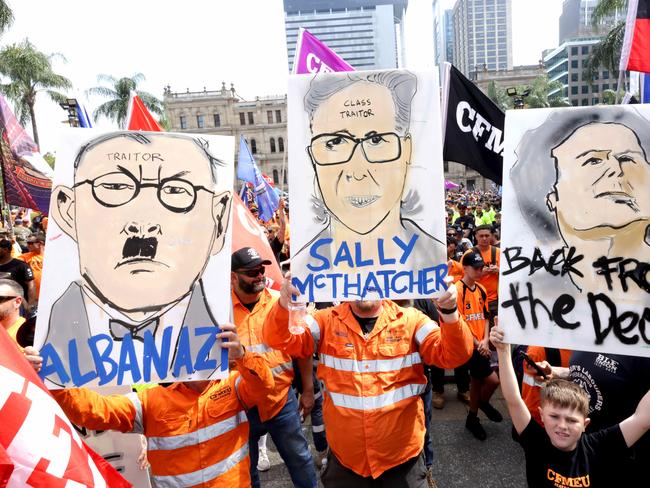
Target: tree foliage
(607, 53)
(119, 93)
(6, 16)
(28, 71)
(538, 97)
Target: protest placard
(575, 242)
(135, 280)
(366, 185)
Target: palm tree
(119, 93)
(499, 96)
(29, 71)
(6, 16)
(540, 90)
(607, 53)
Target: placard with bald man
(135, 280)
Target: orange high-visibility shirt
(35, 262)
(490, 281)
(529, 389)
(249, 329)
(193, 439)
(455, 270)
(374, 417)
(472, 306)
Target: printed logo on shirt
(582, 377)
(340, 333)
(475, 316)
(468, 306)
(223, 392)
(608, 364)
(560, 481)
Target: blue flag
(82, 115)
(266, 199)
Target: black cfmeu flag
(473, 127)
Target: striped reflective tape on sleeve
(259, 348)
(424, 331)
(370, 365)
(204, 475)
(530, 380)
(137, 404)
(314, 329)
(379, 401)
(281, 368)
(169, 443)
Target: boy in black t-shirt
(560, 454)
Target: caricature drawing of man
(134, 198)
(597, 195)
(360, 150)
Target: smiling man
(146, 217)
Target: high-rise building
(443, 33)
(482, 35)
(575, 20)
(449, 36)
(366, 33)
(566, 64)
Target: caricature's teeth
(362, 201)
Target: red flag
(139, 116)
(35, 435)
(246, 231)
(635, 55)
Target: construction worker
(278, 415)
(370, 363)
(197, 432)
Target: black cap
(247, 257)
(473, 259)
(5, 244)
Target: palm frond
(606, 54)
(6, 16)
(605, 8)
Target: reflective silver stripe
(530, 380)
(318, 395)
(384, 400)
(281, 368)
(237, 381)
(314, 329)
(203, 475)
(137, 422)
(259, 348)
(370, 365)
(318, 428)
(424, 331)
(170, 443)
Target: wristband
(448, 311)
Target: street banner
(139, 117)
(265, 197)
(313, 56)
(473, 126)
(119, 449)
(136, 276)
(39, 447)
(635, 54)
(576, 221)
(366, 185)
(27, 176)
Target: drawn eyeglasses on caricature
(119, 188)
(338, 148)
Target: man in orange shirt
(36, 248)
(473, 304)
(197, 432)
(370, 363)
(490, 277)
(11, 298)
(278, 415)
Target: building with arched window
(262, 121)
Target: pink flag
(313, 56)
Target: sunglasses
(6, 299)
(252, 273)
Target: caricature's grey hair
(401, 84)
(145, 138)
(535, 172)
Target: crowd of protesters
(369, 398)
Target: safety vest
(193, 439)
(374, 417)
(249, 329)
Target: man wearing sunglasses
(278, 415)
(146, 219)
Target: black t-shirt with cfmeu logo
(19, 271)
(593, 463)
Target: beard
(251, 288)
